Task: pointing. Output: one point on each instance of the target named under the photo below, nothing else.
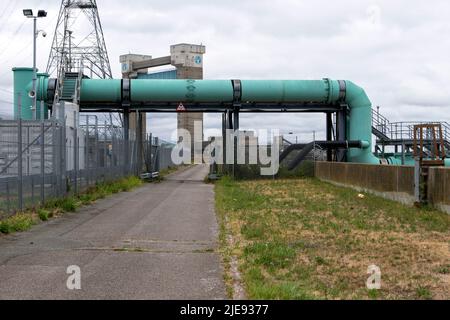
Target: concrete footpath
(156, 242)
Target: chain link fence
(43, 160)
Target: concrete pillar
(128, 72)
(329, 135)
(188, 59)
(342, 132)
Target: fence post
(138, 143)
(8, 198)
(97, 153)
(417, 182)
(42, 154)
(157, 155)
(75, 152)
(28, 153)
(63, 149)
(105, 153)
(19, 150)
(86, 153)
(150, 152)
(54, 157)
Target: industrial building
(186, 61)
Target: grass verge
(56, 207)
(306, 239)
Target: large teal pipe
(23, 85)
(109, 92)
(144, 91)
(359, 123)
(409, 160)
(22, 78)
(101, 91)
(285, 91)
(323, 91)
(216, 91)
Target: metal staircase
(69, 86)
(402, 133)
(380, 126)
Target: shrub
(69, 205)
(43, 214)
(17, 223)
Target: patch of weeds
(320, 261)
(444, 269)
(69, 205)
(423, 293)
(255, 274)
(17, 223)
(373, 294)
(44, 215)
(253, 230)
(338, 289)
(87, 198)
(260, 290)
(276, 255)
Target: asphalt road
(156, 242)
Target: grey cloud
(396, 50)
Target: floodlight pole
(34, 110)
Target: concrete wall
(391, 182)
(439, 188)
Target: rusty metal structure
(429, 145)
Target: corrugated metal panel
(164, 75)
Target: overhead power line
(6, 8)
(5, 22)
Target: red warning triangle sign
(181, 108)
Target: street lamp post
(296, 136)
(29, 14)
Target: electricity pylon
(78, 41)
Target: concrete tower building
(188, 59)
(188, 62)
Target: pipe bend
(356, 97)
(360, 123)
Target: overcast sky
(398, 50)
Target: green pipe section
(216, 91)
(290, 91)
(359, 123)
(101, 91)
(409, 161)
(143, 91)
(23, 78)
(321, 91)
(257, 91)
(23, 84)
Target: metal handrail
(404, 130)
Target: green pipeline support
(23, 78)
(252, 93)
(325, 91)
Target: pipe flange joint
(342, 90)
(237, 92)
(126, 92)
(329, 89)
(51, 90)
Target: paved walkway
(156, 242)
